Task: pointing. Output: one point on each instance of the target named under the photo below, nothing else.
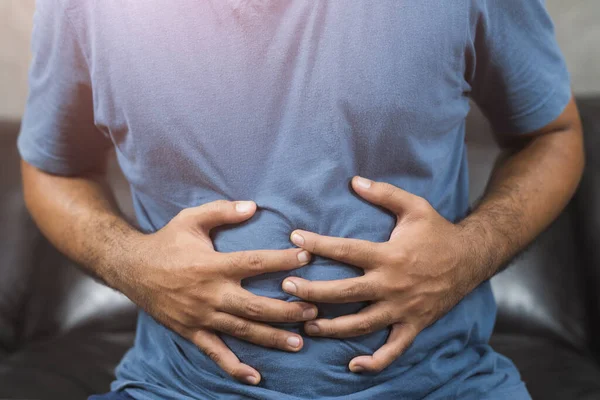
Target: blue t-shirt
(282, 102)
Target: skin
(173, 274)
(426, 267)
(429, 264)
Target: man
(239, 126)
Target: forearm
(526, 192)
(80, 217)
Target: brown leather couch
(62, 334)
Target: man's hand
(429, 264)
(195, 291)
(174, 274)
(412, 280)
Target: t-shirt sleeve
(516, 70)
(58, 134)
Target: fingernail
(309, 313)
(303, 256)
(297, 239)
(293, 341)
(289, 287)
(362, 182)
(243, 206)
(357, 368)
(312, 328)
(251, 379)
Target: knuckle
(386, 258)
(363, 289)
(388, 191)
(312, 246)
(274, 339)
(365, 326)
(330, 330)
(208, 321)
(217, 207)
(253, 309)
(400, 257)
(222, 203)
(188, 320)
(388, 287)
(184, 214)
(214, 355)
(292, 314)
(372, 252)
(343, 250)
(255, 262)
(370, 289)
(350, 291)
(183, 330)
(233, 262)
(242, 329)
(228, 301)
(421, 206)
(417, 306)
(217, 325)
(307, 292)
(387, 317)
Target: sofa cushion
(71, 366)
(550, 370)
(587, 200)
(19, 239)
(540, 293)
(41, 292)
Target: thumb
(219, 212)
(391, 197)
(400, 338)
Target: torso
(283, 107)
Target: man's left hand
(411, 280)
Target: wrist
(120, 260)
(479, 250)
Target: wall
(578, 31)
(15, 30)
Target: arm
(430, 264)
(515, 72)
(174, 274)
(80, 216)
(526, 191)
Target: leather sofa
(62, 334)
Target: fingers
(257, 308)
(244, 264)
(368, 320)
(216, 350)
(257, 333)
(338, 291)
(388, 196)
(401, 337)
(360, 253)
(219, 212)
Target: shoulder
(508, 9)
(508, 20)
(69, 21)
(61, 11)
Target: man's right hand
(196, 291)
